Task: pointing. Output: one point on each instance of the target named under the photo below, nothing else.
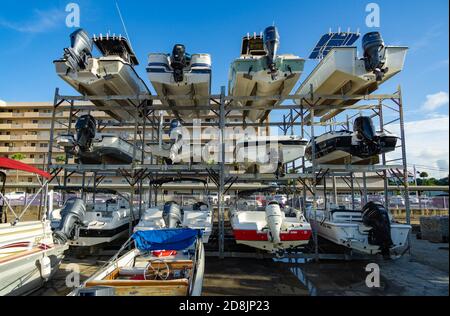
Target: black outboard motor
(72, 215)
(80, 50)
(372, 46)
(179, 62)
(365, 132)
(86, 127)
(374, 215)
(271, 43)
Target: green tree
(424, 175)
(60, 159)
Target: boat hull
(354, 235)
(106, 76)
(341, 72)
(251, 77)
(196, 82)
(341, 150)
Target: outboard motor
(179, 62)
(372, 46)
(172, 215)
(86, 127)
(366, 134)
(271, 43)
(274, 220)
(72, 215)
(80, 50)
(374, 215)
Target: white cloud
(435, 101)
(427, 144)
(42, 21)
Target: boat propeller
(80, 50)
(271, 44)
(373, 46)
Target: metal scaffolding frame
(302, 179)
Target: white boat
(371, 230)
(269, 153)
(29, 253)
(97, 224)
(341, 72)
(261, 72)
(195, 216)
(271, 230)
(90, 147)
(181, 74)
(112, 74)
(151, 269)
(362, 146)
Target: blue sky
(34, 33)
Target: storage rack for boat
(300, 178)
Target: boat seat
(178, 287)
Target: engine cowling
(79, 51)
(372, 45)
(274, 218)
(368, 140)
(179, 62)
(271, 44)
(86, 128)
(172, 215)
(375, 215)
(72, 215)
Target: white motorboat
(261, 72)
(96, 224)
(181, 74)
(195, 216)
(269, 153)
(341, 72)
(90, 147)
(362, 146)
(371, 230)
(112, 74)
(272, 229)
(29, 253)
(165, 263)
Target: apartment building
(25, 136)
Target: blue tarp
(166, 239)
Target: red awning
(6, 163)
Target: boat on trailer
(363, 146)
(269, 154)
(112, 74)
(29, 253)
(341, 72)
(261, 72)
(270, 229)
(181, 74)
(370, 231)
(165, 263)
(92, 148)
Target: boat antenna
(123, 23)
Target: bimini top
(166, 239)
(9, 164)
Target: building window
(33, 144)
(43, 145)
(35, 122)
(31, 156)
(30, 180)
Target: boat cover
(10, 164)
(166, 239)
